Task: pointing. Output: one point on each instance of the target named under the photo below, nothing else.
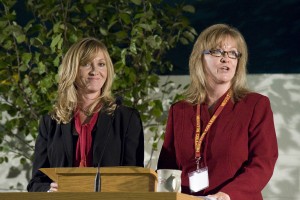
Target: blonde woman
(88, 127)
(221, 136)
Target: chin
(226, 78)
(225, 81)
(93, 90)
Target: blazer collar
(101, 133)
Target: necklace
(85, 112)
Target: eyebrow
(100, 59)
(220, 47)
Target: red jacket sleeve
(167, 157)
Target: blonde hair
(210, 38)
(79, 54)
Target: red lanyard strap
(198, 139)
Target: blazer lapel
(66, 130)
(103, 126)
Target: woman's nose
(224, 59)
(94, 70)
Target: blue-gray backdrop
(271, 29)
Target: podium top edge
(103, 170)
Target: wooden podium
(117, 183)
(96, 196)
(113, 179)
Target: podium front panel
(113, 179)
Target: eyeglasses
(220, 52)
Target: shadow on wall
(283, 91)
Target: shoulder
(46, 119)
(255, 101)
(182, 104)
(126, 111)
(255, 98)
(127, 117)
(48, 122)
(47, 125)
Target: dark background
(271, 29)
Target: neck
(88, 99)
(214, 93)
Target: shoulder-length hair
(210, 38)
(67, 100)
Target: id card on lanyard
(198, 179)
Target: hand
(220, 196)
(53, 187)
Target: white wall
(284, 93)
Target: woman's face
(221, 70)
(92, 76)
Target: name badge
(198, 179)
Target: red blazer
(240, 149)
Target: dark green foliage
(138, 35)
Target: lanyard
(198, 139)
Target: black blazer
(54, 144)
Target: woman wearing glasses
(222, 135)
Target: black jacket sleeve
(40, 182)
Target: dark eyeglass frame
(222, 53)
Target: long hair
(210, 38)
(67, 100)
